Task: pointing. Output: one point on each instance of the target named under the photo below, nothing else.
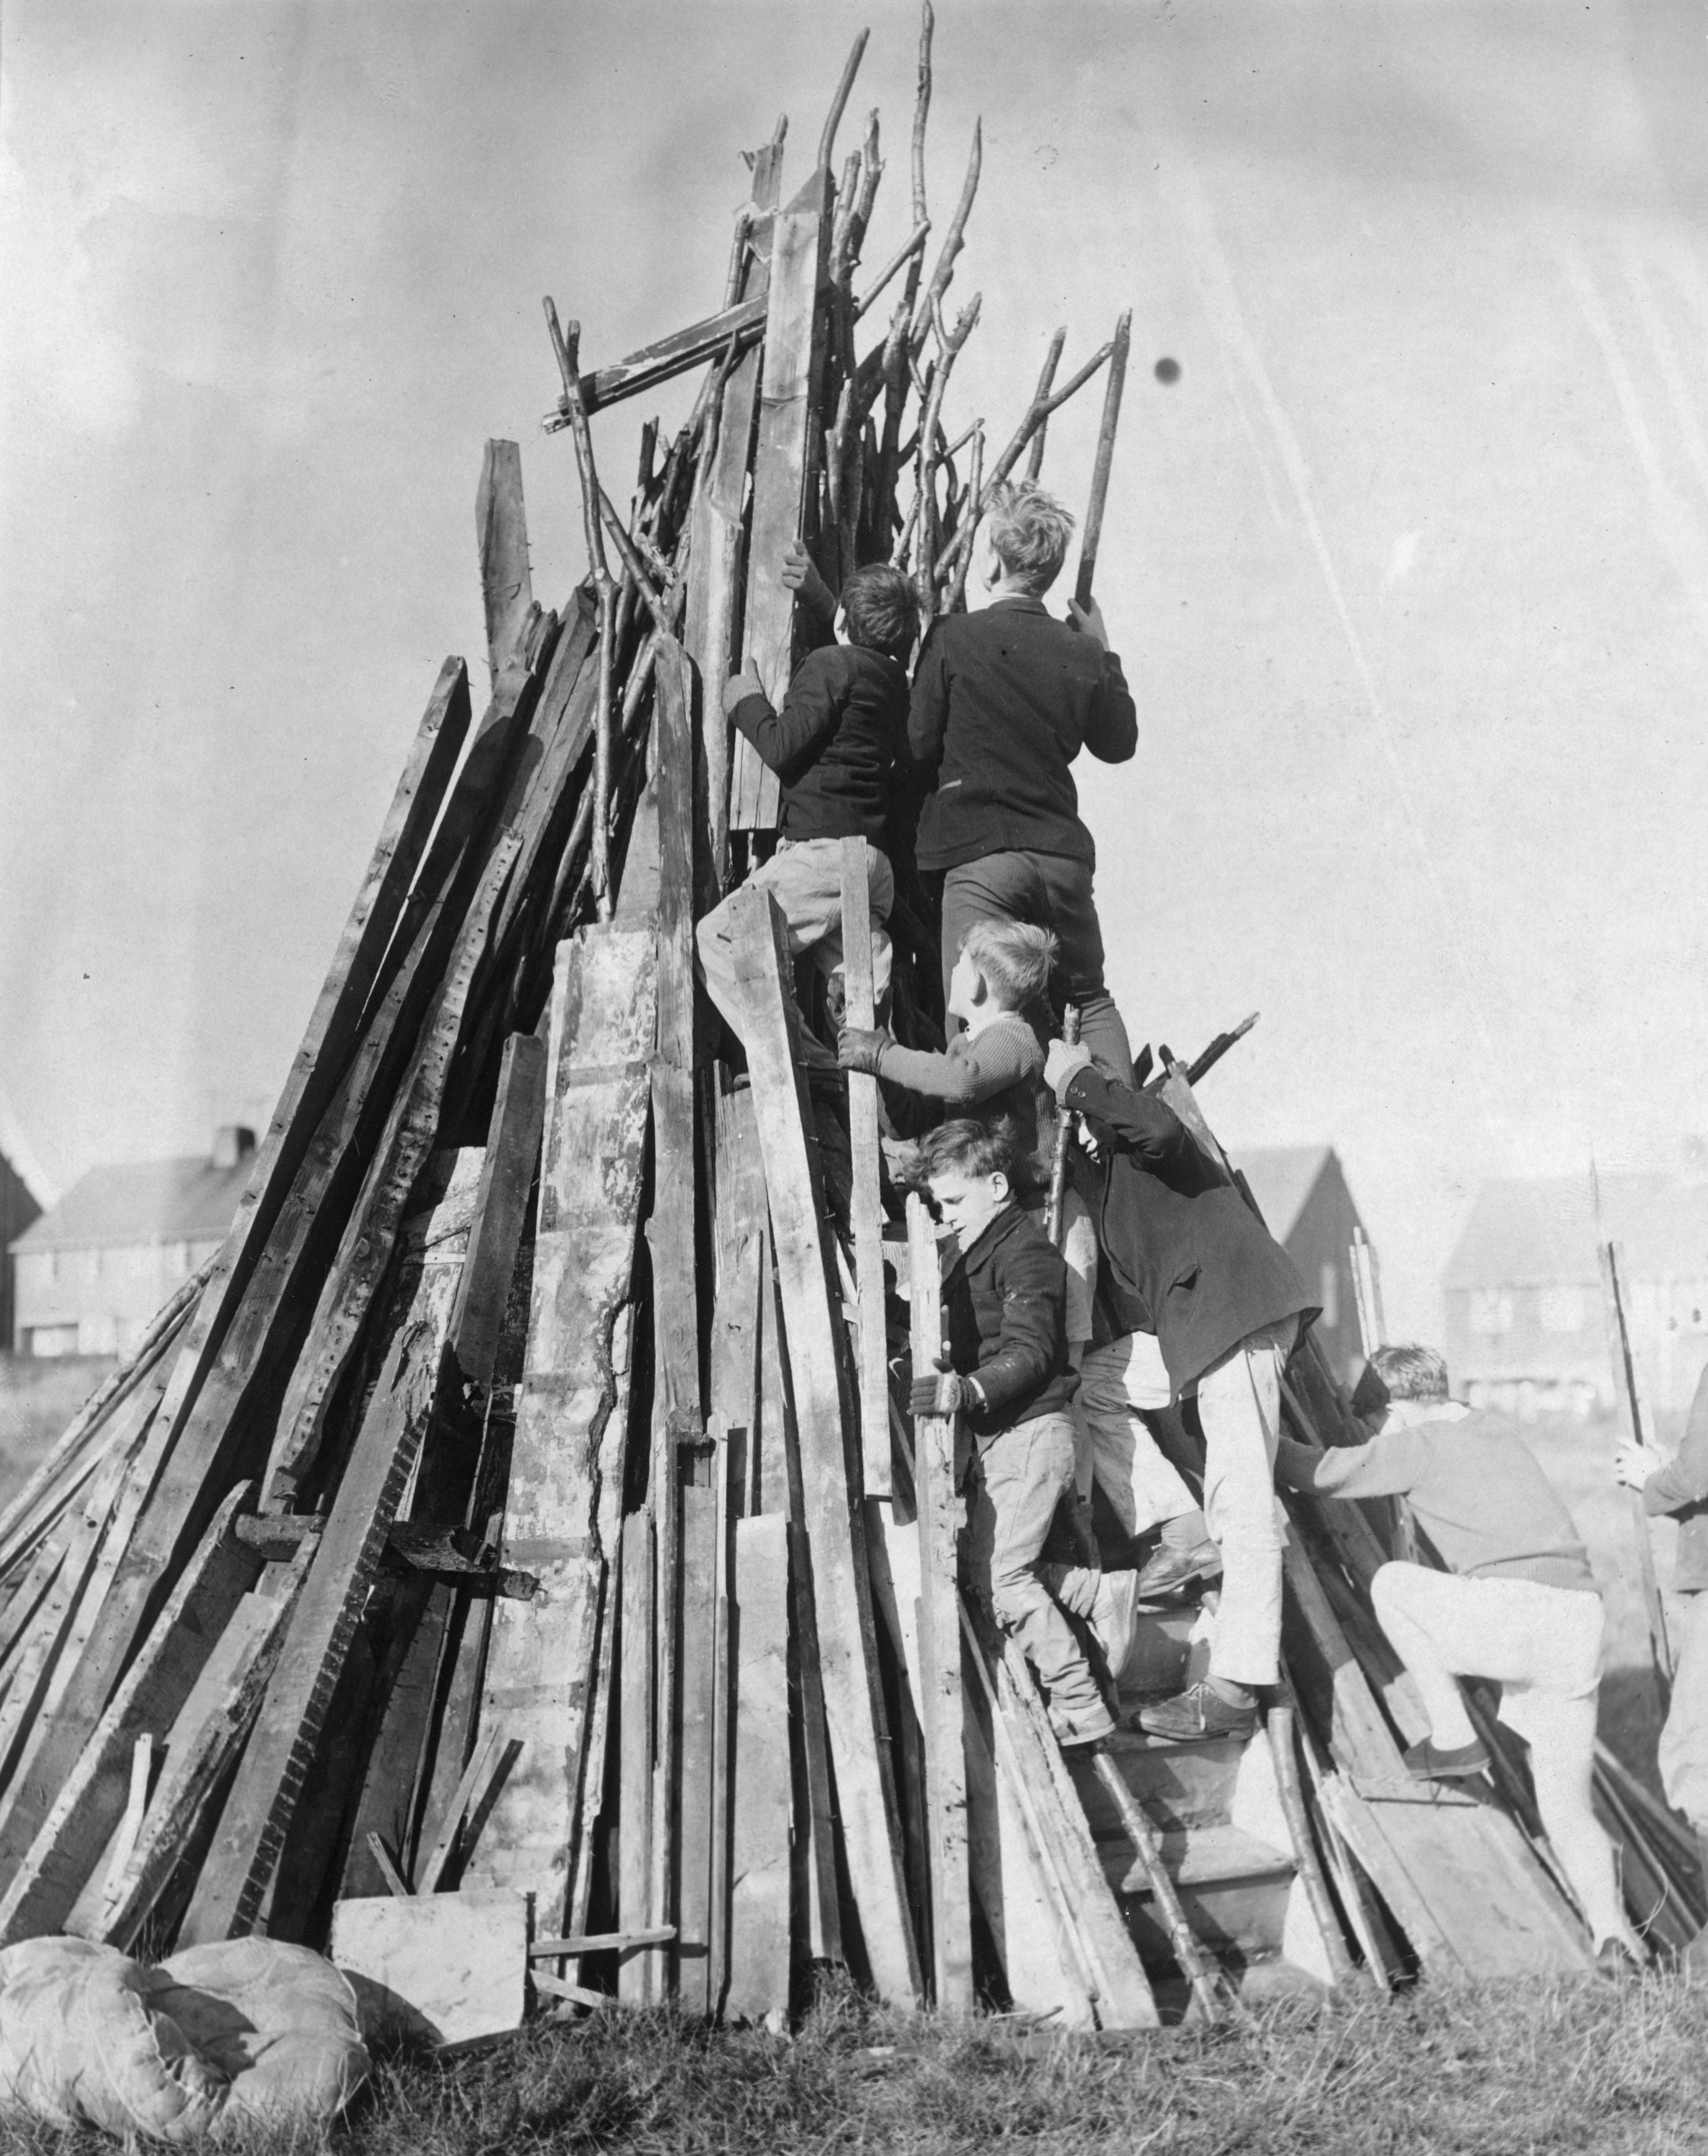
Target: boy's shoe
(1199, 1711)
(1172, 1570)
(1090, 1725)
(1112, 1619)
(1427, 1761)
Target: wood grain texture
(867, 1210)
(506, 581)
(759, 1866)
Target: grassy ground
(1586, 2068)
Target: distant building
(1525, 1328)
(1301, 1191)
(91, 1272)
(18, 1206)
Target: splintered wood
(516, 1532)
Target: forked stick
(1053, 359)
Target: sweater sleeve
(1684, 1481)
(1033, 1281)
(1139, 1121)
(969, 1070)
(928, 706)
(1112, 723)
(1393, 1461)
(789, 741)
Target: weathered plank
(442, 1968)
(565, 1469)
(783, 468)
(667, 358)
(941, 1710)
(494, 1235)
(868, 1219)
(847, 1649)
(80, 1811)
(506, 582)
(637, 1823)
(760, 1816)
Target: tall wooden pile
(520, 1500)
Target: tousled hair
(1014, 956)
(1029, 530)
(1406, 1371)
(882, 610)
(966, 1148)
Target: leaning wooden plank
(942, 1712)
(663, 362)
(81, 1811)
(717, 530)
(567, 1465)
(789, 387)
(506, 1177)
(1610, 1260)
(506, 582)
(847, 1649)
(637, 1822)
(447, 1968)
(862, 1139)
(759, 1815)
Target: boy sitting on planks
(1006, 1368)
(1004, 700)
(1518, 1603)
(1002, 972)
(834, 745)
(1210, 1305)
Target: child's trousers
(1019, 1478)
(1117, 1381)
(1684, 1741)
(1239, 1408)
(1543, 1646)
(804, 876)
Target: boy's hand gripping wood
(935, 1483)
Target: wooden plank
(868, 1219)
(571, 1440)
(507, 1176)
(506, 582)
(662, 362)
(760, 1867)
(441, 1968)
(464, 1799)
(847, 1649)
(717, 530)
(636, 1825)
(784, 470)
(81, 1811)
(942, 1710)
(1611, 1259)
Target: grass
(1582, 2067)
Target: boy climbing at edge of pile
(1005, 1303)
(1001, 971)
(835, 746)
(1004, 700)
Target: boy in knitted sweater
(1517, 1602)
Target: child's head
(1003, 966)
(879, 611)
(1029, 532)
(1404, 1371)
(970, 1170)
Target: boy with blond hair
(1004, 700)
(1001, 973)
(1005, 1366)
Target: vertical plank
(760, 1820)
(506, 582)
(862, 1139)
(853, 1703)
(1610, 1258)
(507, 1176)
(636, 1825)
(941, 1710)
(784, 468)
(567, 1464)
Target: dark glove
(740, 686)
(938, 1392)
(858, 1047)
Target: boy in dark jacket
(1006, 1368)
(835, 746)
(1211, 1305)
(1004, 700)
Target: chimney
(232, 1144)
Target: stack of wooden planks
(521, 1505)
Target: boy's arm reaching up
(788, 740)
(1112, 723)
(1139, 1123)
(972, 1070)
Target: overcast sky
(1409, 568)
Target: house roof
(1544, 1228)
(15, 1151)
(1282, 1178)
(169, 1201)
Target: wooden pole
(1091, 533)
(1063, 1139)
(1628, 1404)
(863, 1140)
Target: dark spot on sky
(1167, 370)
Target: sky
(1409, 568)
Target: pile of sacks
(223, 2036)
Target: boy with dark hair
(1006, 1368)
(1519, 1603)
(1002, 972)
(1004, 700)
(835, 746)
